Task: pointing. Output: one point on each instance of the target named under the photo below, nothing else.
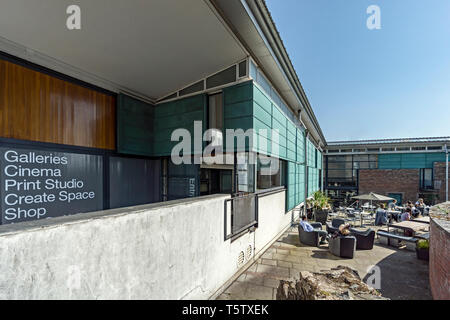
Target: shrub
(423, 244)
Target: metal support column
(446, 173)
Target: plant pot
(423, 254)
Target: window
(434, 148)
(245, 169)
(271, 172)
(361, 157)
(388, 149)
(342, 171)
(262, 81)
(418, 148)
(215, 111)
(315, 158)
(172, 96)
(221, 78)
(373, 150)
(196, 87)
(242, 69)
(426, 178)
(403, 149)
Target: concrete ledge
(14, 228)
(440, 253)
(170, 250)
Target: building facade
(404, 169)
(90, 119)
(122, 134)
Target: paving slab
(402, 275)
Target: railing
(241, 212)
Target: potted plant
(320, 205)
(423, 249)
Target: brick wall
(404, 181)
(439, 175)
(439, 260)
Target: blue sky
(371, 84)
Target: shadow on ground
(402, 276)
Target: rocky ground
(340, 283)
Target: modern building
(404, 169)
(87, 120)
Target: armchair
(310, 238)
(343, 247)
(364, 239)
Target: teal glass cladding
(144, 129)
(409, 160)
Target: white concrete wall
(173, 250)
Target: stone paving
(403, 276)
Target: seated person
(420, 205)
(381, 216)
(415, 212)
(309, 228)
(344, 230)
(393, 205)
(406, 215)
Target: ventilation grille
(241, 258)
(248, 254)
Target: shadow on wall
(403, 276)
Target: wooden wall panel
(38, 107)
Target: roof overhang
(250, 20)
(152, 48)
(144, 48)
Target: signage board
(37, 184)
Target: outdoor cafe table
(409, 225)
(393, 212)
(422, 220)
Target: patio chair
(370, 218)
(352, 217)
(364, 239)
(310, 238)
(333, 226)
(343, 247)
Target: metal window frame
(207, 90)
(254, 223)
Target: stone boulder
(340, 283)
